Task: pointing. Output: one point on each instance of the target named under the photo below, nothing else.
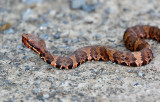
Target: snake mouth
(27, 43)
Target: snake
(140, 51)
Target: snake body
(133, 38)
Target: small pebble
(153, 13)
(140, 74)
(27, 67)
(24, 57)
(81, 94)
(31, 1)
(36, 69)
(40, 96)
(117, 71)
(55, 52)
(20, 73)
(151, 1)
(28, 97)
(89, 20)
(119, 78)
(104, 20)
(27, 14)
(5, 46)
(98, 36)
(136, 84)
(129, 70)
(66, 47)
(35, 90)
(81, 4)
(77, 73)
(125, 9)
(44, 26)
(80, 32)
(74, 98)
(44, 36)
(74, 40)
(154, 54)
(76, 69)
(77, 4)
(1, 84)
(5, 58)
(73, 16)
(37, 82)
(89, 31)
(52, 12)
(2, 10)
(7, 82)
(59, 91)
(104, 71)
(45, 96)
(110, 40)
(93, 71)
(65, 40)
(88, 8)
(123, 24)
(5, 26)
(114, 46)
(9, 31)
(50, 79)
(19, 47)
(65, 22)
(9, 100)
(56, 36)
(108, 11)
(121, 45)
(59, 100)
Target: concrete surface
(24, 77)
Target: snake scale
(141, 53)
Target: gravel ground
(65, 26)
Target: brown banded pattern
(133, 39)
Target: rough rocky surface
(66, 26)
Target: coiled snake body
(132, 38)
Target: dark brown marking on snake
(81, 56)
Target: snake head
(34, 43)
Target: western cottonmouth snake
(132, 38)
